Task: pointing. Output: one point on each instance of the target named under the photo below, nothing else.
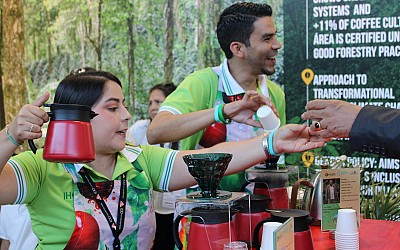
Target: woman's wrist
(271, 144)
(268, 144)
(265, 145)
(10, 138)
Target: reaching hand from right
(335, 117)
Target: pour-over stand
(208, 170)
(221, 195)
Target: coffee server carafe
(302, 232)
(252, 209)
(69, 135)
(210, 228)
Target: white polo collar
(230, 85)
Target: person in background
(107, 203)
(137, 132)
(164, 202)
(247, 35)
(371, 129)
(16, 228)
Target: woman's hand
(242, 111)
(29, 121)
(294, 138)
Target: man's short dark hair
(246, 8)
(236, 24)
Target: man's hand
(242, 111)
(335, 117)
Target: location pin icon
(307, 158)
(307, 75)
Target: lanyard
(116, 228)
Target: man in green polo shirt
(247, 35)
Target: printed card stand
(284, 236)
(340, 189)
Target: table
(374, 235)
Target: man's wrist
(219, 115)
(216, 113)
(225, 116)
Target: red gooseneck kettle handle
(175, 228)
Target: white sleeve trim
(168, 166)
(170, 109)
(21, 181)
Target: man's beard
(260, 64)
(267, 72)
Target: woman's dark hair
(166, 88)
(83, 88)
(81, 70)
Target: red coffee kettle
(69, 137)
(210, 228)
(302, 232)
(252, 209)
(279, 196)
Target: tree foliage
(126, 37)
(13, 75)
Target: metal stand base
(221, 195)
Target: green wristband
(11, 139)
(216, 115)
(221, 114)
(270, 144)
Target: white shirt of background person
(16, 227)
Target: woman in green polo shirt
(107, 203)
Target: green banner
(348, 50)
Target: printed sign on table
(340, 189)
